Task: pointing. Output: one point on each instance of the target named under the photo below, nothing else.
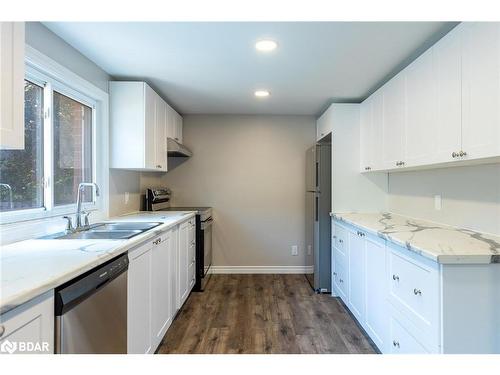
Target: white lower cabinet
(29, 328)
(158, 286)
(357, 275)
(139, 301)
(376, 323)
(161, 312)
(409, 304)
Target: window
(21, 171)
(59, 151)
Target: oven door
(206, 227)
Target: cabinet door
(12, 85)
(174, 272)
(357, 275)
(480, 89)
(421, 111)
(139, 301)
(161, 134)
(31, 323)
(366, 135)
(150, 100)
(183, 261)
(178, 127)
(393, 121)
(170, 122)
(448, 76)
(161, 313)
(376, 315)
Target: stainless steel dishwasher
(91, 311)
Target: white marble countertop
(32, 267)
(438, 242)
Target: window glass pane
(21, 171)
(72, 148)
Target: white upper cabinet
(140, 122)
(448, 76)
(11, 85)
(371, 117)
(161, 133)
(394, 118)
(444, 107)
(174, 124)
(480, 89)
(324, 124)
(421, 104)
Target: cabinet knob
(341, 280)
(454, 154)
(462, 153)
(335, 274)
(395, 277)
(395, 343)
(341, 241)
(2, 330)
(158, 166)
(417, 292)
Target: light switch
(295, 250)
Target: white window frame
(47, 73)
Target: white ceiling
(214, 67)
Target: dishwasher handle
(75, 291)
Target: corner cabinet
(409, 304)
(12, 85)
(443, 109)
(140, 122)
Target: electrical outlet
(437, 202)
(295, 250)
(127, 197)
(309, 249)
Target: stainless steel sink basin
(99, 235)
(142, 226)
(107, 231)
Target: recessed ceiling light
(266, 45)
(261, 93)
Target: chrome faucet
(78, 225)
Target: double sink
(106, 231)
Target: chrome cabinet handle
(395, 277)
(368, 168)
(2, 330)
(156, 242)
(417, 292)
(462, 153)
(395, 343)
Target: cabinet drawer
(340, 281)
(402, 342)
(340, 239)
(414, 289)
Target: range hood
(177, 150)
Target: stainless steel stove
(159, 200)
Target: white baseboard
(260, 269)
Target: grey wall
(470, 196)
(251, 169)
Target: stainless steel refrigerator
(318, 221)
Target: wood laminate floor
(263, 314)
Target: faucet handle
(86, 214)
(69, 224)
